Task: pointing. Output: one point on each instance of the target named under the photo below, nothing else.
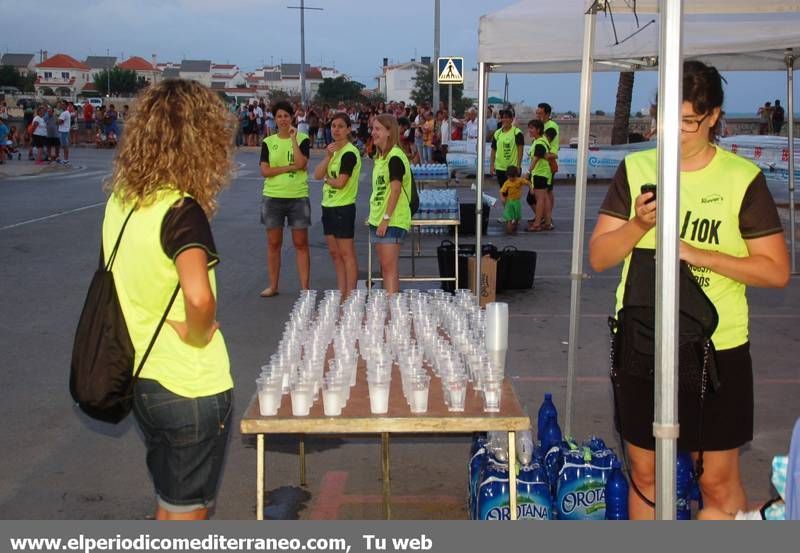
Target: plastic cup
(269, 398)
(492, 394)
(379, 397)
(496, 326)
(418, 398)
(301, 399)
(457, 394)
(332, 400)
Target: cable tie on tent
(666, 431)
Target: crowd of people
(48, 130)
(166, 202)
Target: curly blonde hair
(180, 135)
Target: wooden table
(356, 418)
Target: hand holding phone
(649, 188)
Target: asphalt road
(58, 464)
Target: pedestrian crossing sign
(451, 71)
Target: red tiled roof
(313, 73)
(63, 61)
(135, 63)
(88, 87)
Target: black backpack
(413, 201)
(101, 375)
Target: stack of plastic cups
(302, 392)
(335, 389)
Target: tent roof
(729, 34)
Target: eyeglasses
(693, 125)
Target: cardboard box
(488, 279)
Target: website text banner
(394, 536)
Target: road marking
(103, 174)
(331, 498)
(53, 216)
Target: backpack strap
(155, 335)
(116, 244)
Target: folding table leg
(512, 476)
(260, 477)
(302, 459)
(387, 491)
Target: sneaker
(66, 163)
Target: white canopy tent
(582, 35)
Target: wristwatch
(386, 216)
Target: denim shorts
(185, 439)
(295, 211)
(394, 235)
(64, 138)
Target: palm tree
(622, 111)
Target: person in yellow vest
(540, 176)
(182, 399)
(389, 209)
(552, 133)
(507, 144)
(339, 170)
(284, 157)
(731, 238)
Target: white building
(226, 75)
(397, 81)
(148, 70)
(63, 75)
(196, 70)
(23, 63)
(98, 64)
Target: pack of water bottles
(437, 204)
(558, 478)
(430, 171)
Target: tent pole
(483, 89)
(790, 106)
(579, 222)
(665, 425)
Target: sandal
(549, 226)
(534, 228)
(268, 293)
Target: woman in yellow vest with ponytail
(389, 209)
(340, 170)
(731, 238)
(162, 193)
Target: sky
(352, 35)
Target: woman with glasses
(731, 238)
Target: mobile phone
(649, 188)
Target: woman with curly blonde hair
(174, 159)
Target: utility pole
(108, 73)
(435, 59)
(302, 7)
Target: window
(48, 75)
(65, 75)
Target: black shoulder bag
(633, 334)
(101, 376)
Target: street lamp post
(302, 7)
(108, 73)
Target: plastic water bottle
(524, 444)
(546, 410)
(684, 476)
(616, 494)
(552, 434)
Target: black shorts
(53, 141)
(39, 141)
(501, 177)
(540, 183)
(339, 222)
(727, 414)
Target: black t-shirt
(396, 169)
(186, 226)
(758, 215)
(348, 163)
(539, 150)
(305, 148)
